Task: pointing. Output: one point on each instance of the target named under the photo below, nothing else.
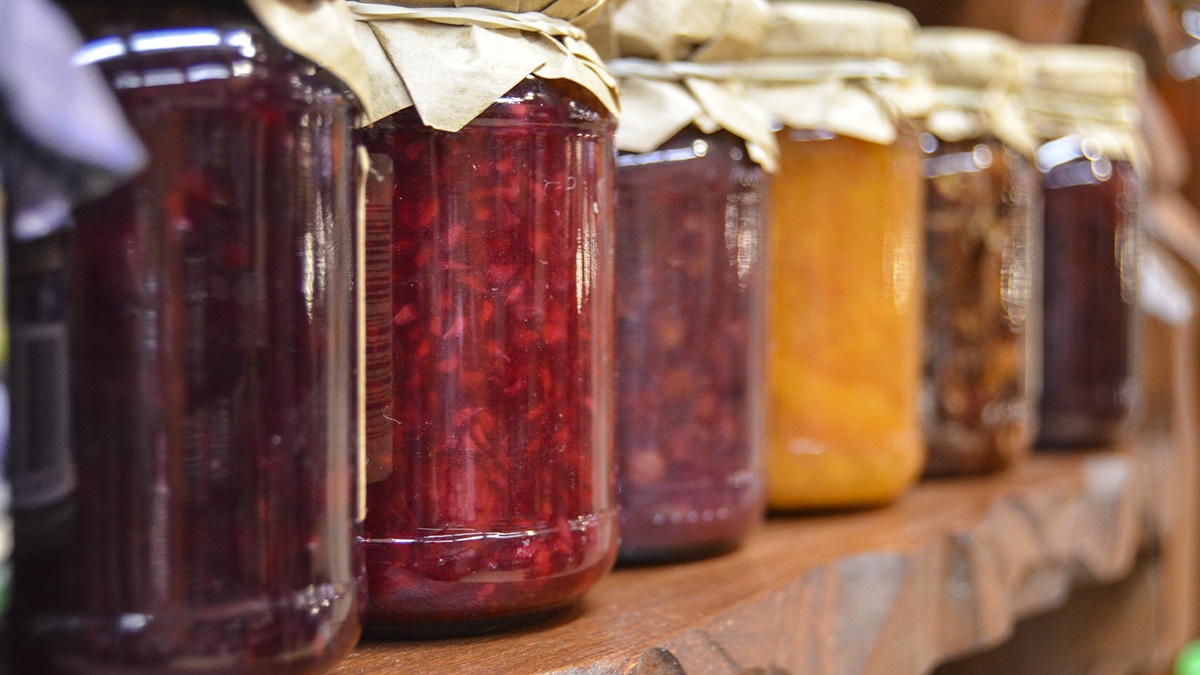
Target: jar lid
(1087, 92)
(968, 57)
(669, 80)
(452, 59)
(814, 29)
(1084, 70)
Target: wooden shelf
(945, 571)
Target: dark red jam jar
(1090, 389)
(1082, 104)
(211, 350)
(489, 463)
(691, 300)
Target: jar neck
(100, 19)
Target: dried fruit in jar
(980, 236)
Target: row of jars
(798, 275)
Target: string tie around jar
(958, 112)
(793, 70)
(858, 97)
(670, 71)
(531, 22)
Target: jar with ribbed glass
(982, 243)
(846, 248)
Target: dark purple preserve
(212, 341)
(1091, 229)
(690, 306)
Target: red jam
(212, 341)
(690, 347)
(489, 461)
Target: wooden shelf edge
(945, 571)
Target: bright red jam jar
(212, 353)
(490, 290)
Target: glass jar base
(447, 609)
(484, 581)
(1071, 431)
(665, 555)
(234, 639)
(433, 630)
(962, 459)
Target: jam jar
(491, 497)
(1081, 103)
(202, 318)
(845, 257)
(691, 300)
(982, 241)
(489, 347)
(692, 177)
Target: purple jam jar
(691, 303)
(1083, 105)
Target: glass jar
(5, 417)
(980, 250)
(41, 461)
(211, 334)
(1082, 103)
(846, 238)
(1091, 215)
(489, 467)
(982, 241)
(844, 358)
(691, 295)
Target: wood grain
(945, 571)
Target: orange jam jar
(845, 257)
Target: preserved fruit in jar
(690, 339)
(210, 333)
(691, 279)
(846, 238)
(982, 242)
(1082, 105)
(493, 500)
(489, 464)
(5, 521)
(1090, 388)
(844, 360)
(978, 278)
